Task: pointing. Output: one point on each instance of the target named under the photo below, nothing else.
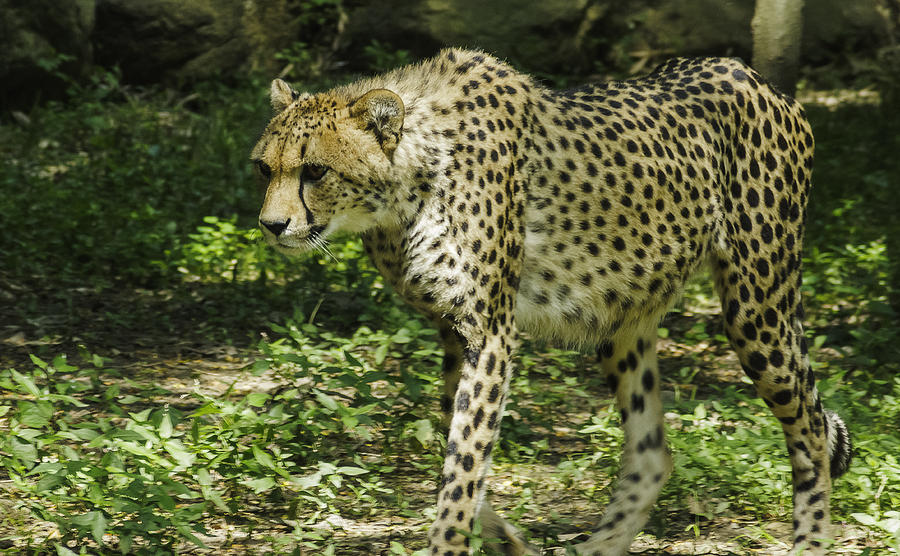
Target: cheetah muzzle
(493, 204)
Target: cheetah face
(326, 162)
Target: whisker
(329, 252)
(320, 243)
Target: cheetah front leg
(492, 525)
(629, 361)
(483, 375)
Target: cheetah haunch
(493, 204)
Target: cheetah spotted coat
(493, 205)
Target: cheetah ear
(282, 95)
(381, 112)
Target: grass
(169, 385)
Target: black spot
(472, 356)
(467, 462)
(456, 494)
(637, 403)
(491, 360)
(749, 330)
(605, 350)
(776, 358)
(757, 361)
(653, 441)
(783, 397)
(754, 169)
(732, 311)
(494, 393)
(449, 534)
(612, 381)
(492, 421)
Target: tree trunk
(777, 27)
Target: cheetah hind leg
(509, 541)
(629, 361)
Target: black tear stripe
(309, 214)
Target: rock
(147, 38)
(833, 28)
(580, 36)
(33, 35)
(550, 36)
(699, 27)
(717, 27)
(174, 42)
(155, 41)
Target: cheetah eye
(313, 172)
(264, 169)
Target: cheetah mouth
(299, 243)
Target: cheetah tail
(840, 448)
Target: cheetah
(493, 204)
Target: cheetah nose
(276, 227)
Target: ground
(188, 358)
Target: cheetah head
(327, 162)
